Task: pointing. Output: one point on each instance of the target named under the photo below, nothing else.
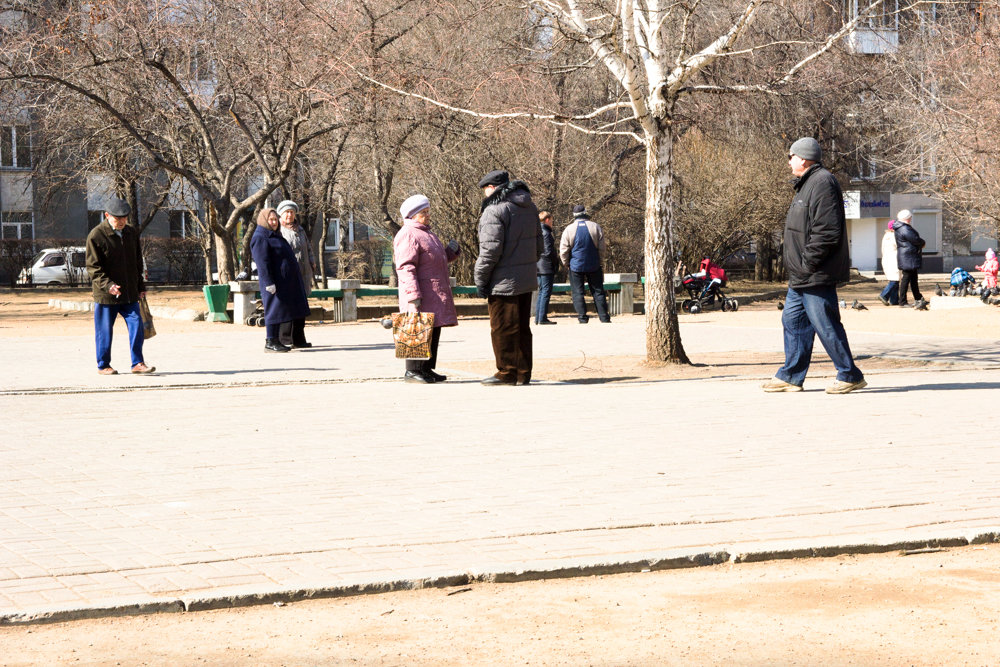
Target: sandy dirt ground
(936, 608)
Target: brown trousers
(510, 329)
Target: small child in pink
(990, 267)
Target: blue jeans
(104, 328)
(811, 312)
(891, 293)
(544, 294)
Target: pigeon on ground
(937, 290)
(857, 305)
(781, 305)
(843, 304)
(920, 304)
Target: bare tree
(201, 88)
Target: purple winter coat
(422, 267)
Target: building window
(94, 218)
(15, 146)
(182, 224)
(17, 225)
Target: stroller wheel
(686, 305)
(260, 321)
(695, 308)
(734, 305)
(250, 321)
(726, 305)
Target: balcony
(872, 41)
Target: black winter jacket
(548, 261)
(908, 245)
(114, 260)
(816, 250)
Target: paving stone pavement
(233, 475)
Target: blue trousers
(811, 312)
(891, 292)
(104, 323)
(544, 294)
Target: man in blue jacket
(582, 249)
(816, 259)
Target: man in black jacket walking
(816, 259)
(114, 262)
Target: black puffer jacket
(548, 261)
(908, 245)
(509, 242)
(816, 250)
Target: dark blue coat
(908, 245)
(276, 265)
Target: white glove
(271, 289)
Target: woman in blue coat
(281, 289)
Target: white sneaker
(774, 384)
(841, 387)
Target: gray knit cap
(807, 148)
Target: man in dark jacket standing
(816, 259)
(547, 264)
(114, 262)
(509, 245)
(909, 257)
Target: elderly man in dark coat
(114, 262)
(817, 258)
(509, 245)
(281, 289)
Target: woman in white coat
(890, 295)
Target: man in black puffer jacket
(509, 245)
(816, 259)
(909, 257)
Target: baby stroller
(961, 282)
(705, 287)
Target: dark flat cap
(118, 208)
(579, 208)
(498, 178)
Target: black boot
(272, 345)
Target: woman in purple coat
(281, 289)
(424, 284)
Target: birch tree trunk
(663, 338)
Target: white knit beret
(414, 205)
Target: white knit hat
(904, 215)
(287, 205)
(414, 205)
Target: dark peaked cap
(498, 178)
(118, 208)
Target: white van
(57, 266)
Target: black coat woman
(281, 289)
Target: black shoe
(583, 320)
(417, 376)
(493, 380)
(607, 321)
(301, 346)
(437, 377)
(271, 345)
(546, 321)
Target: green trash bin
(217, 297)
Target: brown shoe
(143, 368)
(107, 370)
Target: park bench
(345, 294)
